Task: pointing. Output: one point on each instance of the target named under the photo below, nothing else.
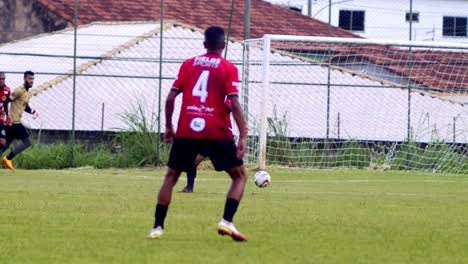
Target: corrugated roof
(266, 18)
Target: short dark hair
(26, 73)
(214, 37)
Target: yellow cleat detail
(8, 163)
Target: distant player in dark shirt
(205, 81)
(192, 173)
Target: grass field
(352, 216)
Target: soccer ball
(262, 179)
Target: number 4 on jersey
(201, 87)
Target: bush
(140, 144)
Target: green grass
(305, 216)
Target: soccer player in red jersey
(192, 173)
(5, 120)
(205, 81)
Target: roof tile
(266, 18)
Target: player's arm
(176, 89)
(31, 111)
(6, 106)
(241, 124)
(169, 110)
(28, 109)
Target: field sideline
(305, 216)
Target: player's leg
(191, 175)
(22, 134)
(8, 163)
(9, 137)
(164, 199)
(182, 157)
(25, 143)
(2, 136)
(4, 145)
(224, 158)
(236, 191)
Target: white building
(433, 20)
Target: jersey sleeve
(232, 85)
(181, 77)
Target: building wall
(385, 19)
(24, 18)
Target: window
(414, 16)
(454, 27)
(351, 20)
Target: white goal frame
(269, 38)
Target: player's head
(2, 79)
(214, 39)
(28, 79)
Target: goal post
(262, 154)
(323, 102)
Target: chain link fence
(113, 76)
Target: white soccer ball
(262, 179)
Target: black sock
(230, 209)
(191, 174)
(160, 215)
(11, 155)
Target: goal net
(334, 102)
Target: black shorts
(221, 153)
(2, 131)
(16, 131)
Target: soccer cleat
(156, 233)
(8, 163)
(228, 228)
(186, 189)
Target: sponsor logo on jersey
(207, 62)
(197, 124)
(200, 109)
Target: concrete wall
(24, 18)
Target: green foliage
(59, 156)
(353, 154)
(139, 142)
(279, 146)
(306, 154)
(434, 157)
(42, 156)
(285, 151)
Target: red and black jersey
(205, 81)
(5, 93)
